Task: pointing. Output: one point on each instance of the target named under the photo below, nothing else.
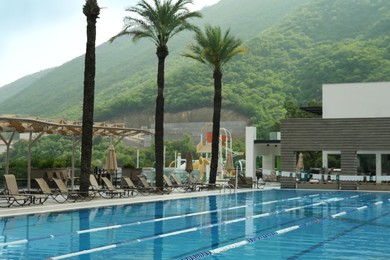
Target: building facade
(355, 122)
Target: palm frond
(214, 47)
(159, 21)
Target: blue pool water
(271, 224)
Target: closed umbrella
(111, 163)
(189, 166)
(300, 164)
(220, 168)
(229, 167)
(202, 167)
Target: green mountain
(293, 47)
(10, 91)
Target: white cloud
(53, 32)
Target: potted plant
(129, 170)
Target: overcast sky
(40, 34)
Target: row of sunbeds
(191, 184)
(12, 195)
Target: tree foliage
(215, 48)
(159, 22)
(54, 151)
(293, 47)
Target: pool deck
(52, 206)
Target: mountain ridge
(292, 49)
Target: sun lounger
(43, 187)
(131, 188)
(144, 184)
(49, 176)
(199, 185)
(260, 183)
(5, 200)
(185, 186)
(169, 184)
(59, 194)
(244, 182)
(103, 192)
(62, 175)
(61, 191)
(15, 195)
(196, 178)
(111, 190)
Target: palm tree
(159, 23)
(215, 49)
(91, 10)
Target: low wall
(40, 173)
(319, 186)
(336, 186)
(374, 186)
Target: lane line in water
(278, 232)
(25, 241)
(88, 251)
(320, 244)
(16, 242)
(339, 214)
(288, 199)
(267, 214)
(197, 229)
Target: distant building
(355, 124)
(175, 131)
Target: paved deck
(52, 206)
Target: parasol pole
(235, 188)
(137, 158)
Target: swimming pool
(269, 224)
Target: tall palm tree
(215, 48)
(159, 23)
(91, 10)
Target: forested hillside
(11, 91)
(293, 47)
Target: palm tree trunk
(216, 125)
(91, 11)
(162, 53)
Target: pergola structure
(37, 127)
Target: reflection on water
(85, 238)
(158, 229)
(196, 225)
(214, 220)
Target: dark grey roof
(267, 141)
(313, 110)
